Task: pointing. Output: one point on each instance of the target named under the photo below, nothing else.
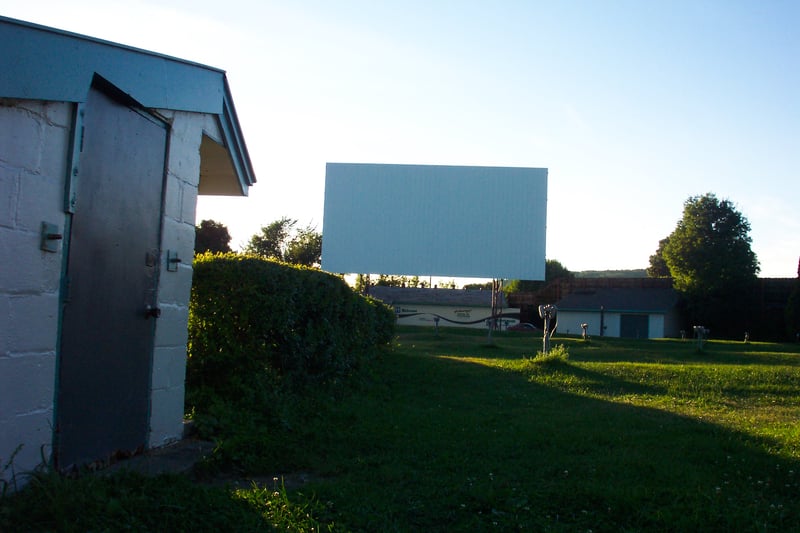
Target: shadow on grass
(128, 501)
(445, 445)
(683, 351)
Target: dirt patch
(182, 456)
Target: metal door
(106, 346)
(634, 326)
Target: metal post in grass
(701, 334)
(548, 314)
(602, 320)
(436, 325)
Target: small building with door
(631, 312)
(471, 308)
(103, 151)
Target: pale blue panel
(485, 222)
(41, 63)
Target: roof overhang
(42, 63)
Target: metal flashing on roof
(42, 63)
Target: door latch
(50, 237)
(152, 312)
(172, 261)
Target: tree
(479, 286)
(415, 282)
(272, 240)
(363, 280)
(281, 241)
(711, 262)
(305, 248)
(709, 251)
(553, 270)
(658, 265)
(211, 236)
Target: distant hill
(636, 273)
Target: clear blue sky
(633, 106)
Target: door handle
(152, 312)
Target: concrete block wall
(169, 357)
(34, 140)
(34, 147)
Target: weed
(10, 482)
(558, 353)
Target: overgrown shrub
(259, 329)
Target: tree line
(282, 240)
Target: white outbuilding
(630, 312)
(103, 151)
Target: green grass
(451, 433)
(131, 502)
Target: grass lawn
(452, 434)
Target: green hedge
(259, 327)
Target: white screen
(482, 222)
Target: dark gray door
(634, 326)
(107, 339)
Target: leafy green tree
(272, 240)
(658, 265)
(402, 281)
(211, 236)
(281, 240)
(389, 281)
(414, 281)
(361, 283)
(711, 262)
(709, 251)
(305, 248)
(479, 286)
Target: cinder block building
(103, 151)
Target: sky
(632, 106)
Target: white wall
(34, 139)
(656, 326)
(462, 313)
(169, 356)
(569, 322)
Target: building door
(108, 322)
(634, 326)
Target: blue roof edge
(56, 65)
(234, 139)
